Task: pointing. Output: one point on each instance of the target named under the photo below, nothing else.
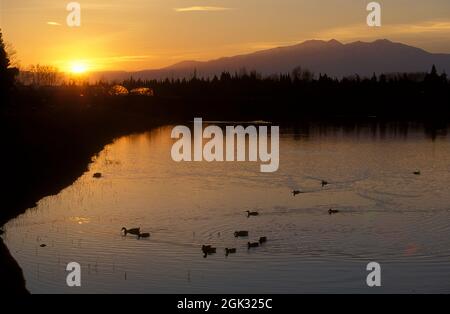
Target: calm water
(388, 215)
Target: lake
(386, 215)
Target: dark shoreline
(10, 271)
(51, 143)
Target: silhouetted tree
(299, 74)
(433, 71)
(433, 77)
(41, 75)
(374, 78)
(12, 55)
(7, 73)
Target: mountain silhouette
(327, 57)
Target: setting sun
(78, 68)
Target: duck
(249, 213)
(238, 234)
(144, 235)
(252, 245)
(296, 192)
(133, 231)
(208, 249)
(417, 173)
(230, 251)
(262, 240)
(324, 183)
(43, 245)
(97, 175)
(332, 211)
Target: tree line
(248, 94)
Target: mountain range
(327, 57)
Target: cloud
(202, 9)
(53, 24)
(352, 32)
(426, 27)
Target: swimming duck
(230, 251)
(144, 235)
(296, 192)
(324, 183)
(134, 231)
(97, 175)
(238, 234)
(249, 213)
(332, 211)
(252, 245)
(417, 173)
(208, 249)
(262, 240)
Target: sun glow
(78, 67)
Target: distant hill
(330, 57)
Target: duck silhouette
(230, 251)
(208, 250)
(133, 231)
(249, 213)
(144, 235)
(238, 234)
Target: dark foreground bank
(10, 273)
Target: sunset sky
(143, 34)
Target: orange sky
(142, 34)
